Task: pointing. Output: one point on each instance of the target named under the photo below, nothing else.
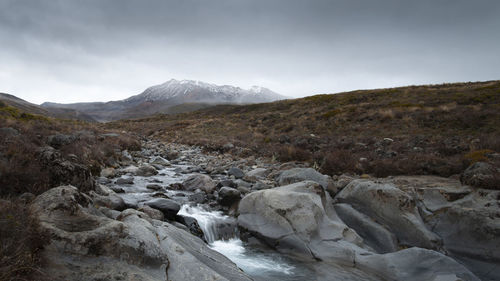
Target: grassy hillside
(433, 128)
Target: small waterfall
(214, 224)
(221, 234)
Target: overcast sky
(100, 50)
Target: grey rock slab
(393, 208)
(125, 180)
(414, 264)
(88, 246)
(297, 218)
(373, 234)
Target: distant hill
(169, 98)
(27, 107)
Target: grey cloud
(116, 48)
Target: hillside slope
(27, 107)
(409, 130)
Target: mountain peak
(185, 91)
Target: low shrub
(21, 242)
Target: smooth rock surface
(86, 245)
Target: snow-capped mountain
(197, 91)
(173, 96)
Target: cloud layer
(67, 51)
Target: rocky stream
(172, 212)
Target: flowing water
(260, 263)
(220, 231)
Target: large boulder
(63, 171)
(86, 245)
(169, 207)
(199, 181)
(302, 174)
(391, 207)
(298, 218)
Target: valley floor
(169, 212)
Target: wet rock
(117, 189)
(146, 170)
(227, 182)
(169, 207)
(125, 180)
(176, 186)
(153, 213)
(199, 181)
(158, 160)
(191, 224)
(236, 172)
(103, 180)
(198, 197)
(228, 196)
(154, 186)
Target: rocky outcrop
(63, 171)
(391, 207)
(86, 245)
(481, 174)
(298, 218)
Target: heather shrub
(21, 242)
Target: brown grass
(20, 243)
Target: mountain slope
(166, 97)
(27, 107)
